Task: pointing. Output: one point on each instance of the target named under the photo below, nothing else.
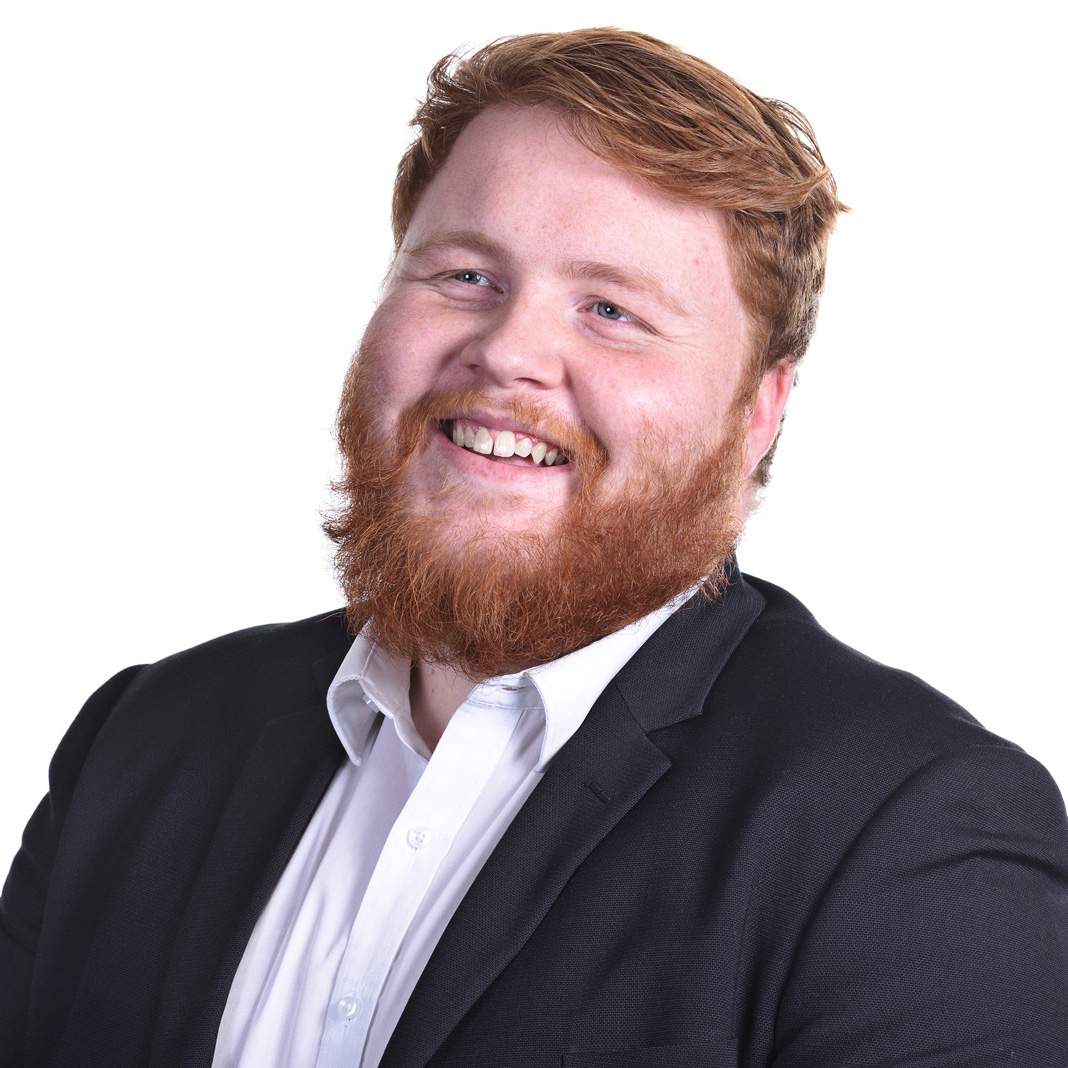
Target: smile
(499, 444)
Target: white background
(194, 209)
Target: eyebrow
(634, 279)
(474, 240)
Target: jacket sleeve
(24, 900)
(942, 939)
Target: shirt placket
(418, 842)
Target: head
(572, 226)
(678, 125)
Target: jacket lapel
(289, 768)
(592, 783)
(585, 792)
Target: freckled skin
(517, 314)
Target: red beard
(486, 607)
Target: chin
(469, 509)
(495, 527)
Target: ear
(765, 412)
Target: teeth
(506, 444)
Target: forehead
(519, 176)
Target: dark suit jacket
(761, 848)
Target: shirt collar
(370, 681)
(570, 685)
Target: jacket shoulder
(268, 647)
(915, 846)
(211, 702)
(832, 730)
(187, 779)
(819, 685)
(244, 666)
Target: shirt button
(348, 1006)
(418, 837)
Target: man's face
(537, 273)
(543, 305)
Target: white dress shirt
(394, 845)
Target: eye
(607, 310)
(471, 278)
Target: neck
(435, 693)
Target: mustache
(583, 448)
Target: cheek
(653, 406)
(404, 352)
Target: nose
(516, 344)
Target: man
(577, 792)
